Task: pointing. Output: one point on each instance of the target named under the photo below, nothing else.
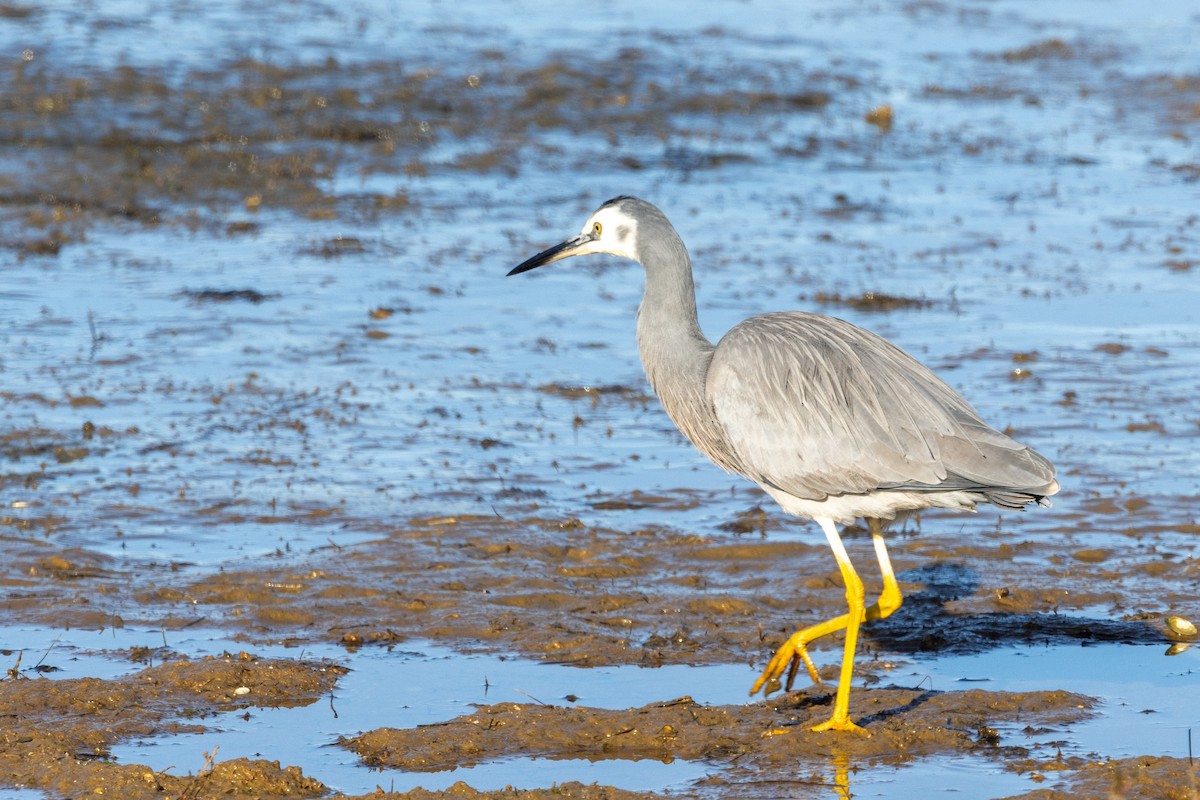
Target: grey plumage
(831, 420)
(811, 405)
(815, 406)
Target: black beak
(560, 251)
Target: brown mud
(759, 737)
(527, 580)
(559, 592)
(57, 733)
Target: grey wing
(816, 407)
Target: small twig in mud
(97, 338)
(531, 697)
(192, 790)
(1195, 790)
(568, 661)
(14, 673)
(47, 653)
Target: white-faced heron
(832, 421)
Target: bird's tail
(1016, 500)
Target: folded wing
(815, 406)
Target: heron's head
(612, 229)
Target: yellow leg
(794, 650)
(890, 598)
(840, 720)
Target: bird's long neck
(675, 352)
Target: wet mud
(567, 594)
(57, 733)
(755, 737)
(201, 436)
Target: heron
(832, 421)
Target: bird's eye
(597, 229)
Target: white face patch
(618, 233)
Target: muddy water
(262, 374)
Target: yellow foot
(788, 657)
(836, 723)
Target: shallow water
(1020, 249)
(1037, 191)
(1144, 709)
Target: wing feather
(815, 406)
